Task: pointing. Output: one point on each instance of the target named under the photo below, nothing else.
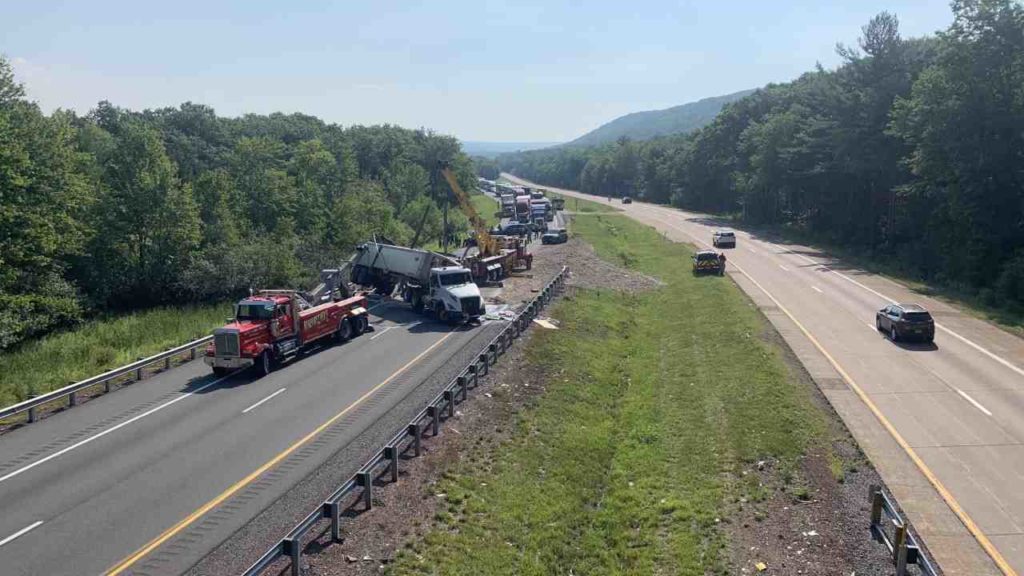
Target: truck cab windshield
(254, 311)
(454, 279)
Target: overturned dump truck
(432, 283)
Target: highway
(150, 478)
(943, 423)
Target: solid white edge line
(972, 401)
(873, 328)
(783, 267)
(99, 435)
(818, 290)
(21, 532)
(381, 333)
(262, 401)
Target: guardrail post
(449, 399)
(464, 382)
(31, 415)
(167, 363)
(293, 549)
(435, 419)
(138, 373)
(192, 353)
(72, 399)
(414, 429)
(875, 495)
(106, 385)
(899, 551)
(334, 512)
(367, 483)
(391, 453)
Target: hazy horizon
(486, 72)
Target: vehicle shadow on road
(917, 346)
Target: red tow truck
(274, 325)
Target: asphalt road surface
(955, 408)
(184, 459)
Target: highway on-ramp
(149, 479)
(955, 409)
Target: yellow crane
(484, 242)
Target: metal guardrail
(72, 390)
(409, 437)
(902, 545)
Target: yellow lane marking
(202, 510)
(955, 506)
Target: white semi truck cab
(451, 295)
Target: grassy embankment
(58, 359)
(486, 207)
(655, 405)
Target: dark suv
(905, 321)
(515, 230)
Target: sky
(545, 71)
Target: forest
(911, 151)
(120, 210)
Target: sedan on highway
(905, 322)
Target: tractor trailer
(431, 282)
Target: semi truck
(541, 208)
(431, 282)
(523, 214)
(272, 326)
(508, 205)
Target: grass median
(100, 345)
(657, 402)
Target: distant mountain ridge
(651, 123)
(492, 149)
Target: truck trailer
(431, 282)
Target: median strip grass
(100, 345)
(633, 457)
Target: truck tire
(894, 335)
(344, 333)
(359, 324)
(417, 303)
(220, 371)
(264, 363)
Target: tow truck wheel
(344, 333)
(263, 364)
(358, 325)
(417, 303)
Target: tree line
(911, 151)
(119, 210)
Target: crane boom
(484, 241)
